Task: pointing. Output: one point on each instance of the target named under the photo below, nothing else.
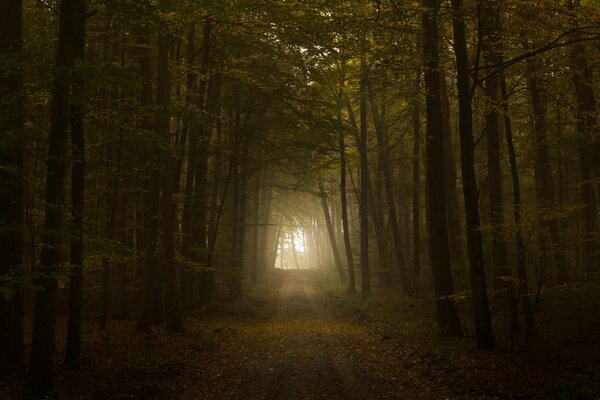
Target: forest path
(303, 351)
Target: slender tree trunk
(416, 190)
(255, 229)
(364, 179)
(187, 281)
(39, 379)
(383, 145)
(588, 145)
(345, 224)
(483, 323)
(151, 198)
(454, 222)
(73, 343)
(109, 230)
(447, 314)
(376, 212)
(12, 357)
(173, 320)
(237, 136)
(523, 289)
(331, 233)
(543, 167)
(489, 31)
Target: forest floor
(299, 341)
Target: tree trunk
(383, 145)
(173, 320)
(12, 357)
(454, 222)
(416, 190)
(151, 197)
(39, 379)
(483, 323)
(523, 288)
(331, 233)
(364, 179)
(344, 204)
(588, 145)
(187, 281)
(543, 167)
(447, 314)
(255, 229)
(73, 343)
(109, 231)
(489, 30)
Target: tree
(39, 379)
(11, 188)
(73, 344)
(364, 179)
(483, 323)
(447, 313)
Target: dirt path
(292, 343)
(305, 352)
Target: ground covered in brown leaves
(299, 342)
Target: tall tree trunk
(364, 178)
(543, 167)
(489, 31)
(447, 313)
(200, 201)
(187, 282)
(376, 212)
(12, 357)
(73, 343)
(255, 229)
(39, 379)
(344, 205)
(109, 229)
(523, 289)
(416, 190)
(237, 137)
(151, 197)
(454, 222)
(331, 233)
(383, 145)
(173, 320)
(483, 323)
(588, 145)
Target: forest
(299, 199)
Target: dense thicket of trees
(156, 154)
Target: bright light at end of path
(298, 238)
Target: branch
(550, 46)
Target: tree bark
(173, 320)
(489, 30)
(39, 379)
(416, 190)
(543, 168)
(344, 205)
(151, 197)
(452, 210)
(383, 145)
(331, 233)
(73, 343)
(447, 314)
(483, 323)
(12, 357)
(588, 146)
(364, 179)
